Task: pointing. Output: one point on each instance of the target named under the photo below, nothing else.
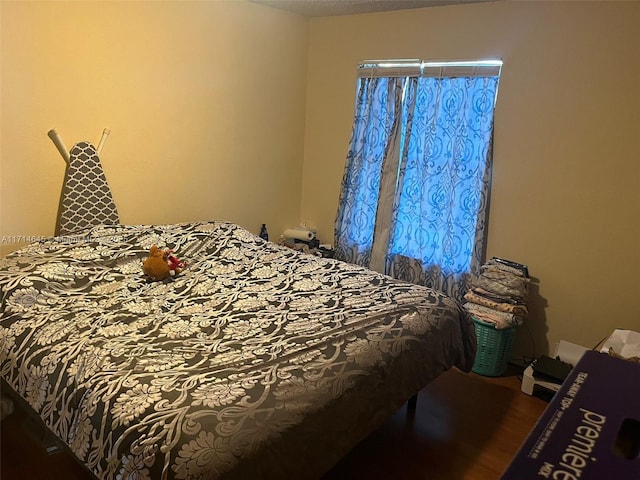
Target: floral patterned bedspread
(256, 362)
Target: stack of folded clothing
(499, 294)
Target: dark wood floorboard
(465, 427)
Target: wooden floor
(465, 427)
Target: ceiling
(328, 8)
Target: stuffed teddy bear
(161, 264)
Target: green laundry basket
(494, 348)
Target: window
(414, 197)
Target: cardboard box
(591, 428)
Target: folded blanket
(508, 266)
(497, 297)
(499, 319)
(473, 297)
(508, 279)
(500, 288)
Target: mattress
(257, 361)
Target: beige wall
(566, 181)
(205, 101)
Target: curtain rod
(416, 67)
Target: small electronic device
(546, 373)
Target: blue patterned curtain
(440, 209)
(435, 234)
(378, 104)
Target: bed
(257, 361)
